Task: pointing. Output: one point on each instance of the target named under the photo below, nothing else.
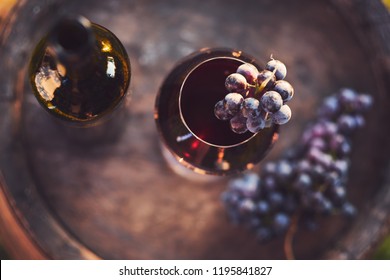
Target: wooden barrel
(65, 196)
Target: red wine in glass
(184, 114)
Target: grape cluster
(256, 99)
(309, 179)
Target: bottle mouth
(72, 35)
(218, 133)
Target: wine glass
(192, 137)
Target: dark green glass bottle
(79, 71)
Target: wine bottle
(79, 71)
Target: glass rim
(221, 56)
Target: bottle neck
(72, 44)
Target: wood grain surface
(107, 192)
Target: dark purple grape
(348, 210)
(311, 133)
(221, 112)
(285, 90)
(337, 142)
(320, 203)
(290, 204)
(340, 166)
(238, 124)
(250, 107)
(363, 102)
(318, 143)
(303, 182)
(326, 207)
(330, 107)
(233, 102)
(252, 179)
(271, 101)
(264, 234)
(263, 207)
(333, 179)
(329, 127)
(347, 124)
(323, 129)
(293, 153)
(281, 222)
(249, 71)
(236, 83)
(347, 96)
(229, 198)
(246, 206)
(275, 199)
(338, 194)
(319, 157)
(360, 122)
(281, 70)
(255, 124)
(254, 222)
(344, 149)
(246, 186)
(270, 183)
(303, 166)
(284, 170)
(267, 77)
(317, 173)
(269, 168)
(282, 116)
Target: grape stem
(252, 86)
(259, 88)
(289, 238)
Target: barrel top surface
(108, 193)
